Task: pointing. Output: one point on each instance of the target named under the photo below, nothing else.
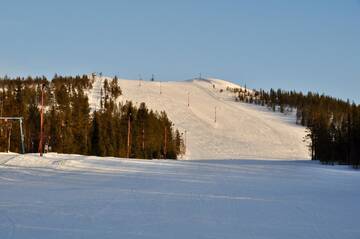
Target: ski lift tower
(20, 119)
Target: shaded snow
(72, 196)
(240, 131)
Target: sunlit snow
(241, 130)
(71, 196)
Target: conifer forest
(333, 124)
(70, 126)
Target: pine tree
(96, 148)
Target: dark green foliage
(147, 132)
(70, 127)
(333, 124)
(95, 136)
(20, 96)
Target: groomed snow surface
(71, 196)
(241, 131)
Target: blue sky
(302, 45)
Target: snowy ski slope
(73, 196)
(240, 131)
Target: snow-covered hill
(240, 131)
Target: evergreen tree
(70, 127)
(96, 148)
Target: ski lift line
(41, 122)
(188, 99)
(215, 115)
(21, 129)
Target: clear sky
(303, 45)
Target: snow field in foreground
(72, 196)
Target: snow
(271, 191)
(95, 93)
(241, 130)
(73, 196)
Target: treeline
(333, 124)
(71, 127)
